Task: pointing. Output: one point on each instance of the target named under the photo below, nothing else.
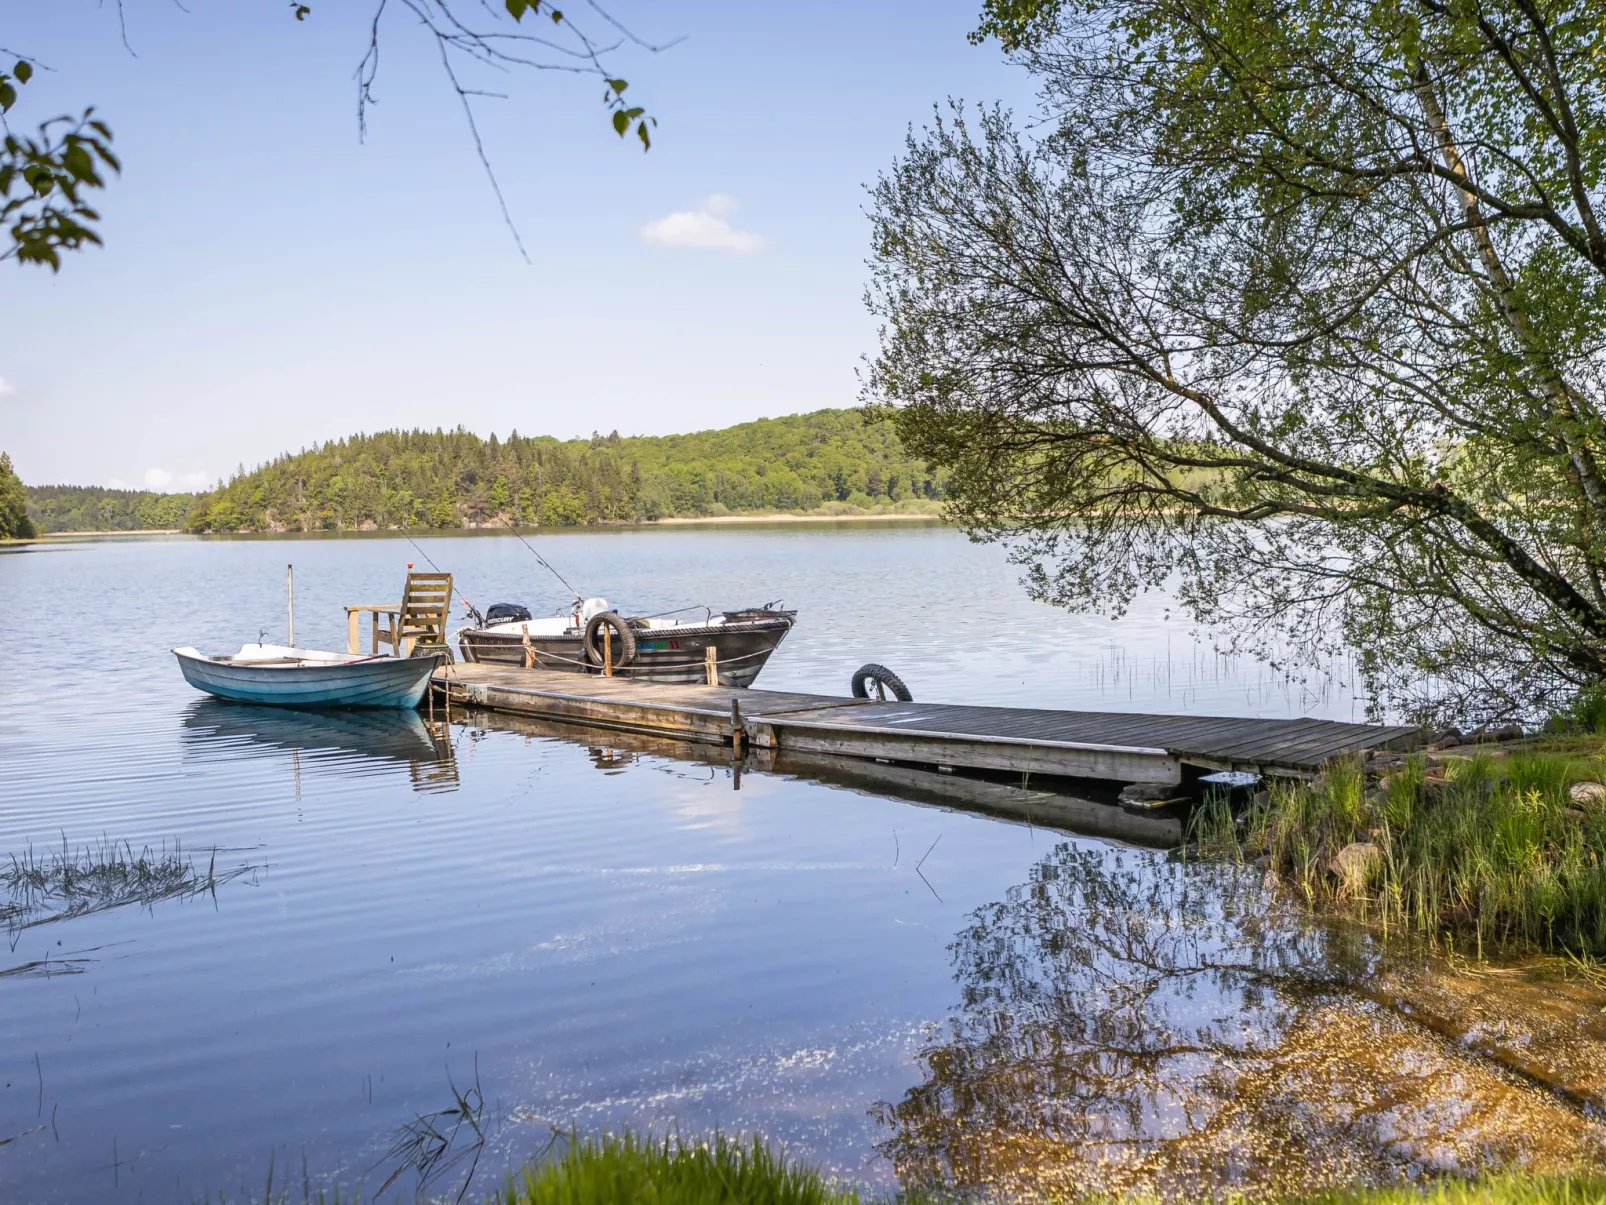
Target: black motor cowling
(507, 613)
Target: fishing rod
(541, 558)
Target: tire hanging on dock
(884, 680)
(624, 640)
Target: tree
(14, 521)
(1300, 305)
(44, 181)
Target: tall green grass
(1494, 850)
(1511, 1189)
(614, 1169)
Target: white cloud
(158, 479)
(707, 226)
(6, 387)
(117, 483)
(198, 480)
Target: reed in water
(38, 888)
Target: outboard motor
(507, 613)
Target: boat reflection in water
(387, 738)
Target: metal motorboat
(729, 647)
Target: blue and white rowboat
(292, 677)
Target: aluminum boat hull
(669, 655)
(332, 682)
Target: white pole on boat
(290, 599)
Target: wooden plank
(1308, 746)
(1250, 744)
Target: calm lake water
(341, 922)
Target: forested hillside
(91, 508)
(830, 458)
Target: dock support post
(711, 664)
(353, 620)
(607, 651)
(529, 649)
(738, 730)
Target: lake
(244, 943)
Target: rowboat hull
(325, 680)
(676, 656)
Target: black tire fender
(881, 674)
(624, 640)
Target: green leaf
(77, 162)
(23, 72)
(517, 8)
(301, 11)
(621, 123)
(557, 15)
(641, 132)
(618, 86)
(8, 95)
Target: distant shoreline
(44, 537)
(788, 517)
(678, 521)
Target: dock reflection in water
(612, 751)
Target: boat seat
(421, 620)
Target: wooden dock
(1113, 746)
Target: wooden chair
(421, 621)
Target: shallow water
(369, 912)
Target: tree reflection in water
(1133, 1022)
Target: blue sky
(268, 282)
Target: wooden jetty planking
(1300, 746)
(1117, 746)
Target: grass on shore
(1490, 850)
(614, 1170)
(720, 1171)
(1509, 1189)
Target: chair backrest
(426, 607)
